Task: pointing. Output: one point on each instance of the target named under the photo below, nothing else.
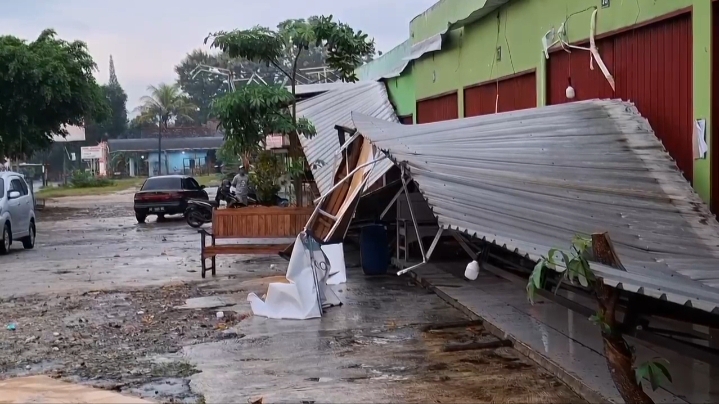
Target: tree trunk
(294, 136)
(620, 359)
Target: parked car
(17, 212)
(166, 195)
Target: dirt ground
(102, 301)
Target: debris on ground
(111, 339)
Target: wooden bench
(257, 229)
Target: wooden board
(242, 249)
(259, 222)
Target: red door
(442, 108)
(406, 119)
(652, 67)
(515, 92)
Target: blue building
(185, 155)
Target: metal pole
(159, 146)
(411, 213)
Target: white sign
(73, 157)
(74, 134)
(91, 152)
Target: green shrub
(84, 179)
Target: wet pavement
(107, 302)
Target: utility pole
(159, 146)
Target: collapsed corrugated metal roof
(530, 180)
(387, 66)
(429, 45)
(168, 144)
(335, 107)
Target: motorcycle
(199, 211)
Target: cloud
(147, 38)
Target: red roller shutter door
(515, 92)
(442, 108)
(652, 67)
(714, 176)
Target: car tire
(140, 217)
(29, 242)
(5, 239)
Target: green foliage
(574, 267)
(84, 179)
(265, 175)
(654, 371)
(201, 89)
(253, 112)
(164, 104)
(345, 49)
(47, 84)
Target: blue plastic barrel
(374, 249)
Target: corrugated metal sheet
(532, 179)
(652, 67)
(332, 108)
(479, 13)
(150, 145)
(429, 45)
(437, 109)
(391, 64)
(515, 93)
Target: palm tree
(165, 104)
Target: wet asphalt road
(372, 349)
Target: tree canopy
(46, 85)
(166, 103)
(202, 88)
(343, 48)
(116, 125)
(251, 113)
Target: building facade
(472, 57)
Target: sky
(147, 38)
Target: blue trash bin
(374, 249)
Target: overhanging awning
(530, 180)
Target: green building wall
(468, 54)
(401, 93)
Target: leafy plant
(251, 113)
(265, 175)
(574, 267)
(84, 179)
(345, 51)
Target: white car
(17, 212)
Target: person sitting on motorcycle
(241, 183)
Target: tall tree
(116, 97)
(113, 76)
(200, 88)
(345, 51)
(166, 103)
(204, 88)
(48, 84)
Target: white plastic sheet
(310, 265)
